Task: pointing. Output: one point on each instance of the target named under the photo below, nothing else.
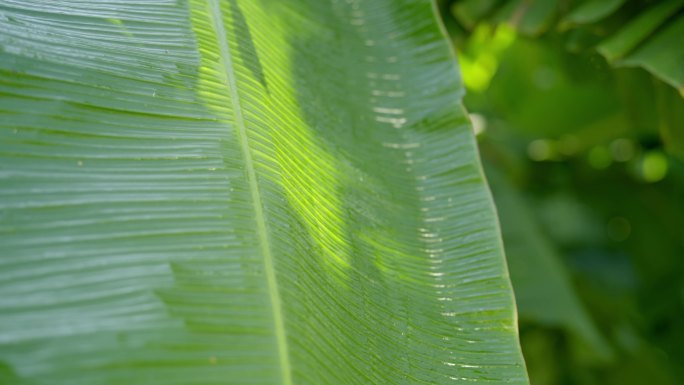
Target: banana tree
(243, 192)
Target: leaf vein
(269, 266)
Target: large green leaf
(243, 192)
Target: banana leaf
(243, 192)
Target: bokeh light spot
(541, 150)
(654, 166)
(622, 149)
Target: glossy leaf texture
(243, 192)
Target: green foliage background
(579, 114)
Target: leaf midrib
(269, 267)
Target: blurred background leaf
(543, 288)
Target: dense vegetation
(579, 112)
